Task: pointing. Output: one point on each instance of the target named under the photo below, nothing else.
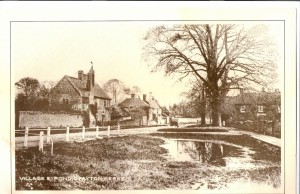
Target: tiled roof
(258, 98)
(134, 102)
(165, 111)
(153, 103)
(80, 85)
(119, 112)
(99, 92)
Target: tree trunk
(203, 119)
(216, 112)
(203, 106)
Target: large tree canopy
(28, 86)
(221, 56)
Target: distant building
(140, 112)
(165, 115)
(132, 109)
(155, 111)
(260, 105)
(81, 94)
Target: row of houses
(83, 94)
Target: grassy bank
(134, 162)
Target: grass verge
(138, 160)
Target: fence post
(26, 137)
(41, 145)
(118, 128)
(67, 134)
(83, 132)
(48, 134)
(108, 130)
(97, 131)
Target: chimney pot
(80, 74)
(132, 96)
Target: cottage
(140, 112)
(165, 115)
(155, 111)
(261, 105)
(81, 94)
(134, 109)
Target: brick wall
(38, 119)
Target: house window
(243, 108)
(260, 108)
(65, 101)
(106, 103)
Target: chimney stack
(80, 74)
(132, 96)
(144, 97)
(150, 95)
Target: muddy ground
(140, 162)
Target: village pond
(206, 152)
(157, 161)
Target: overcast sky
(50, 50)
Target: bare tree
(116, 89)
(136, 90)
(221, 56)
(197, 99)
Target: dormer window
(260, 108)
(243, 108)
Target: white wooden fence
(49, 139)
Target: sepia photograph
(148, 104)
(88, 117)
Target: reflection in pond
(204, 152)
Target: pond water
(210, 152)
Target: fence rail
(66, 131)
